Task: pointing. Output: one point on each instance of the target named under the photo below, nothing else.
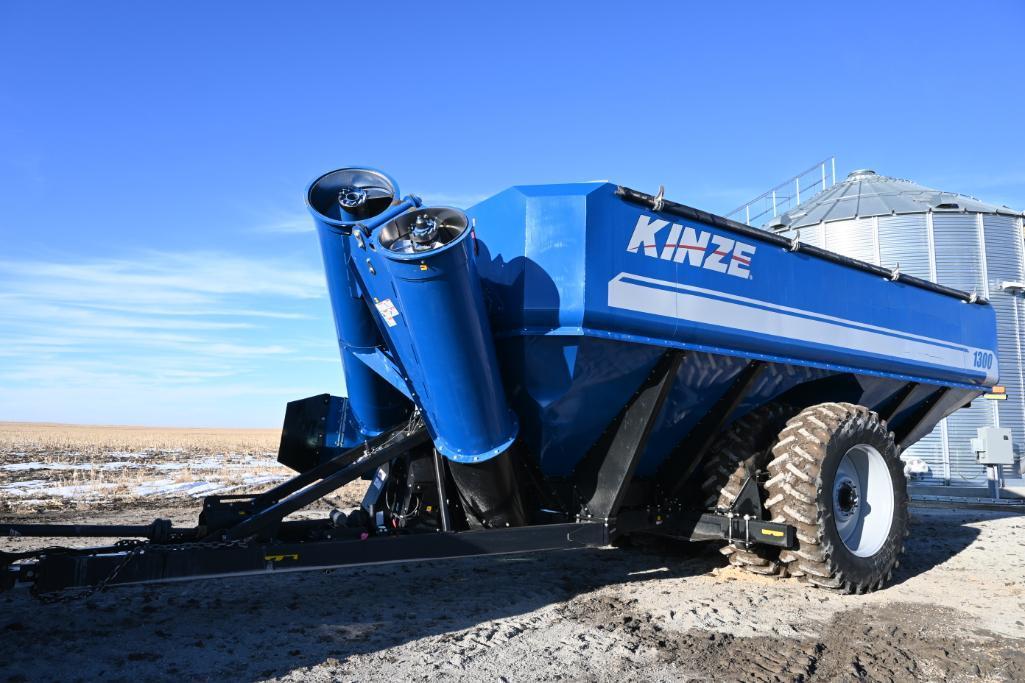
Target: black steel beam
(340, 461)
(928, 407)
(717, 527)
(942, 403)
(439, 481)
(160, 531)
(678, 469)
(897, 402)
(369, 460)
(157, 564)
(710, 527)
(606, 472)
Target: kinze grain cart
(565, 366)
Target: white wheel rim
(863, 500)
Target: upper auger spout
(339, 201)
(356, 196)
(411, 321)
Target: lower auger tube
(411, 320)
(429, 257)
(492, 491)
(341, 201)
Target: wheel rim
(863, 500)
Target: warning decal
(388, 311)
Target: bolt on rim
(863, 501)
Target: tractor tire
(744, 448)
(836, 477)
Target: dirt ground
(956, 610)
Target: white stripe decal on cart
(695, 304)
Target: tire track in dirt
(906, 642)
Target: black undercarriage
(420, 506)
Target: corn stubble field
(653, 613)
(52, 468)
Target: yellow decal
(772, 532)
(281, 558)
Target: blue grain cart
(569, 365)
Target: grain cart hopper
(564, 366)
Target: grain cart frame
(564, 366)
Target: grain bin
(944, 237)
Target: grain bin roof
(865, 193)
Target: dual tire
(738, 453)
(833, 472)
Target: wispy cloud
(181, 277)
(284, 222)
(139, 326)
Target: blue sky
(157, 265)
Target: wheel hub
(847, 498)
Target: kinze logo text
(684, 244)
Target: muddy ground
(956, 612)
